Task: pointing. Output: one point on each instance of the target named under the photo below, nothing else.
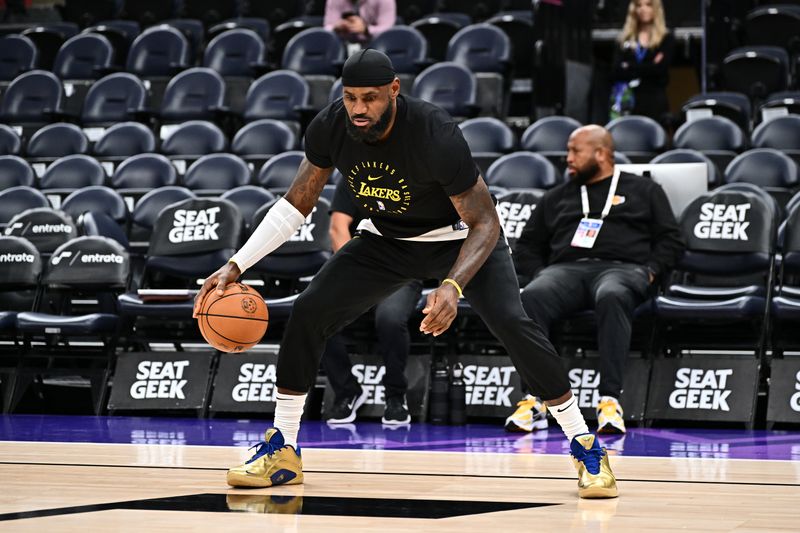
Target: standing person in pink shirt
(358, 21)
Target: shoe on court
(595, 478)
(344, 411)
(531, 414)
(274, 463)
(609, 416)
(396, 412)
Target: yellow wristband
(454, 284)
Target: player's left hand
(440, 310)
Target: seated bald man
(596, 242)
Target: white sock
(569, 417)
(288, 412)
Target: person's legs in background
(394, 344)
(616, 292)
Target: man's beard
(586, 173)
(370, 134)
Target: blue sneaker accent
(282, 476)
(590, 458)
(269, 447)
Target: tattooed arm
(278, 225)
(307, 186)
(476, 208)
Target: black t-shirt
(343, 203)
(402, 184)
(640, 228)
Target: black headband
(367, 68)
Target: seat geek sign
(245, 383)
(784, 391)
(703, 388)
(160, 381)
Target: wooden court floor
(78, 487)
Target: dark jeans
(370, 268)
(391, 326)
(612, 289)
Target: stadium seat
(406, 47)
(237, 52)
(79, 303)
(780, 133)
(214, 228)
(548, 136)
(97, 199)
(263, 138)
(515, 209)
(686, 155)
(115, 98)
(195, 138)
(125, 139)
(209, 11)
(15, 171)
(195, 33)
(278, 172)
(765, 167)
(519, 28)
(46, 228)
(14, 200)
(57, 140)
(726, 273)
(710, 133)
(488, 138)
(194, 94)
(318, 56)
(756, 70)
(780, 103)
(158, 51)
(217, 173)
(144, 171)
(481, 48)
(523, 170)
(640, 138)
(84, 57)
(280, 95)
(438, 30)
(414, 9)
(450, 86)
(786, 300)
(17, 55)
(48, 42)
(774, 25)
(145, 213)
(73, 171)
(19, 279)
(260, 26)
(94, 224)
(10, 142)
(731, 105)
(486, 51)
(120, 42)
(32, 98)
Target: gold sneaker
(531, 414)
(595, 478)
(609, 416)
(274, 463)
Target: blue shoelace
(263, 448)
(591, 459)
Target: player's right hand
(228, 273)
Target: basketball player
(427, 214)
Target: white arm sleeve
(280, 223)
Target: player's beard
(370, 134)
(586, 173)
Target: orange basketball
(234, 321)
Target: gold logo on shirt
(392, 196)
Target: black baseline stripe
(423, 474)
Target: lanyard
(611, 191)
(640, 52)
